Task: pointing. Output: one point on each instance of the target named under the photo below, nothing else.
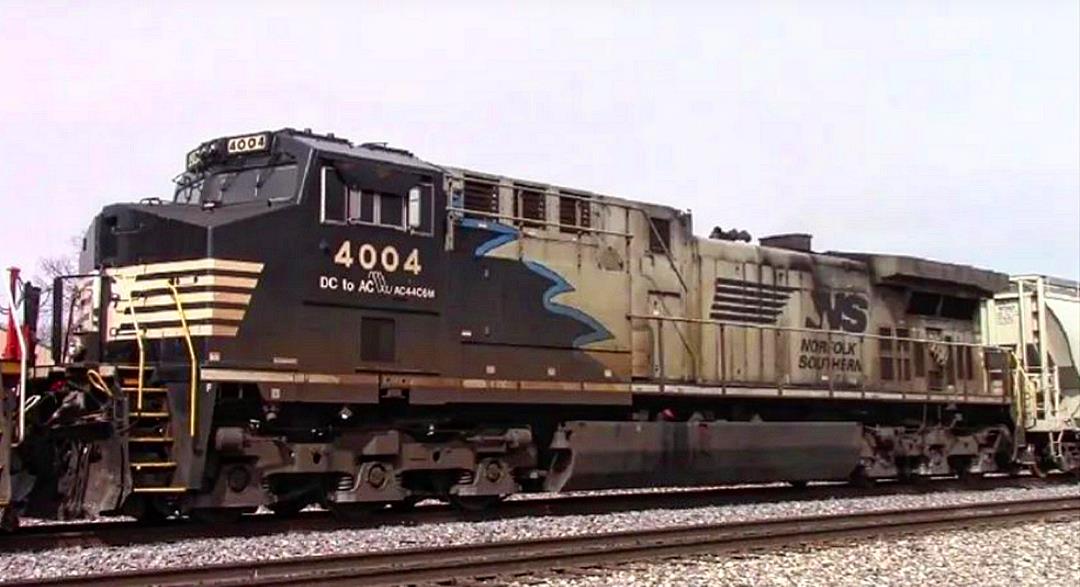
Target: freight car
(311, 321)
(1038, 319)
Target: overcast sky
(949, 130)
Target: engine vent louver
(749, 302)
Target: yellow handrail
(139, 342)
(142, 365)
(98, 382)
(193, 396)
(1024, 391)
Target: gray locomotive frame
(316, 322)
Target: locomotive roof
(381, 152)
(377, 152)
(901, 269)
(896, 269)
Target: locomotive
(310, 321)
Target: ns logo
(839, 310)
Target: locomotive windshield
(238, 185)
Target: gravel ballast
(1044, 554)
(102, 559)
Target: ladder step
(145, 389)
(154, 465)
(159, 489)
(137, 414)
(148, 439)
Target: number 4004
(369, 258)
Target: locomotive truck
(309, 321)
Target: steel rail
(543, 555)
(114, 532)
(120, 532)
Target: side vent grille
(574, 210)
(530, 204)
(481, 195)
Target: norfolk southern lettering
(822, 355)
(838, 310)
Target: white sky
(942, 129)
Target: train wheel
(406, 505)
(9, 519)
(152, 512)
(861, 480)
(353, 512)
(287, 509)
(968, 478)
(474, 503)
(217, 515)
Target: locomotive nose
(128, 234)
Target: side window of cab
(408, 210)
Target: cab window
(243, 185)
(354, 204)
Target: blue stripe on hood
(506, 234)
(561, 286)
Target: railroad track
(124, 533)
(121, 533)
(532, 557)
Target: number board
(247, 144)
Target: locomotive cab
(289, 270)
(305, 216)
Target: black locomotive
(313, 322)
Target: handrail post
(828, 357)
(660, 345)
(864, 349)
(142, 366)
(104, 300)
(723, 361)
(13, 274)
(128, 294)
(56, 334)
(192, 395)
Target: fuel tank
(605, 455)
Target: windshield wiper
(272, 164)
(188, 189)
(229, 181)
